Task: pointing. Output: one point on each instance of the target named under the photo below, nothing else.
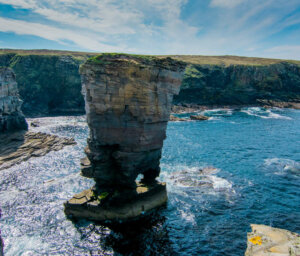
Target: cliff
(11, 117)
(49, 81)
(128, 102)
(240, 84)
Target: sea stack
(128, 100)
(11, 116)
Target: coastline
(189, 108)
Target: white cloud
(283, 52)
(108, 22)
(226, 3)
(55, 34)
(25, 4)
(159, 26)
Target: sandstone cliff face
(48, 84)
(11, 117)
(240, 84)
(128, 103)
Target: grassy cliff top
(77, 55)
(191, 59)
(229, 60)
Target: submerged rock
(35, 124)
(20, 146)
(11, 116)
(128, 102)
(269, 241)
(176, 118)
(199, 117)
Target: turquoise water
(250, 162)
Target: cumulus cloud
(212, 27)
(51, 33)
(113, 21)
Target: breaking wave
(283, 166)
(264, 113)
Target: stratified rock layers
(128, 102)
(11, 117)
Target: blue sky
(262, 28)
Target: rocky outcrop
(21, 146)
(279, 104)
(176, 118)
(199, 117)
(11, 116)
(268, 241)
(128, 103)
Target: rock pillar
(128, 102)
(11, 116)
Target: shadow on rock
(147, 235)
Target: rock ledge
(116, 205)
(269, 241)
(20, 146)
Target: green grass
(101, 58)
(190, 59)
(76, 55)
(227, 60)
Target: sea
(240, 167)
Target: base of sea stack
(116, 206)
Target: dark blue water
(251, 174)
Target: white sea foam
(264, 113)
(282, 166)
(218, 112)
(203, 179)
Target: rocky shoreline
(190, 108)
(268, 241)
(17, 147)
